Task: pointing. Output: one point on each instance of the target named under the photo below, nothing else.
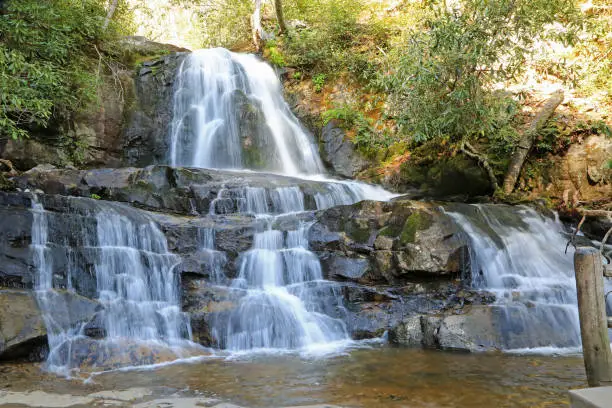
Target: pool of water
(376, 377)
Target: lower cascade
(283, 300)
(136, 288)
(518, 255)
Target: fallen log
(527, 139)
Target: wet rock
(339, 152)
(89, 355)
(483, 327)
(22, 328)
(409, 332)
(341, 267)
(186, 191)
(145, 133)
(401, 240)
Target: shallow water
(378, 377)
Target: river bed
(376, 377)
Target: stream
(376, 377)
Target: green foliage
(48, 61)
(598, 127)
(440, 84)
(223, 23)
(318, 81)
(274, 55)
(594, 52)
(364, 136)
(96, 197)
(329, 43)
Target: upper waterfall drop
(229, 112)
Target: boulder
(340, 153)
(580, 175)
(22, 327)
(390, 242)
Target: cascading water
(136, 286)
(284, 303)
(518, 255)
(229, 113)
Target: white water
(229, 112)
(136, 286)
(284, 303)
(519, 255)
(214, 88)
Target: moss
(390, 231)
(357, 233)
(417, 221)
(6, 184)
(253, 157)
(144, 185)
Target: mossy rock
(417, 221)
(356, 232)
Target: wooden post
(592, 311)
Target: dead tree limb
(256, 25)
(470, 151)
(278, 6)
(109, 15)
(527, 139)
(572, 240)
(596, 213)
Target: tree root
(11, 169)
(470, 151)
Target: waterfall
(284, 302)
(229, 112)
(519, 255)
(136, 286)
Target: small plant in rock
(318, 81)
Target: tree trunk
(278, 5)
(110, 14)
(519, 156)
(256, 25)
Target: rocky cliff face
(581, 175)
(128, 127)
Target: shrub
(48, 61)
(440, 84)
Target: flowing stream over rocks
(136, 288)
(518, 254)
(243, 245)
(229, 112)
